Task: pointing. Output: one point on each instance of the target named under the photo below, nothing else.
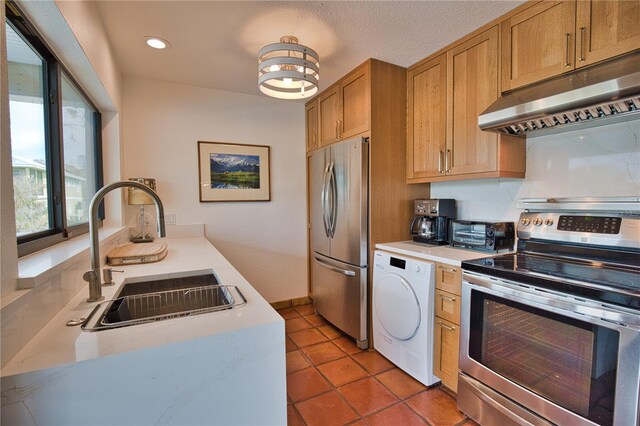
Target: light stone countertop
(443, 254)
(56, 344)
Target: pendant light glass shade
(288, 70)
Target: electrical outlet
(170, 219)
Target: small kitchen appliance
(483, 236)
(403, 309)
(431, 222)
(551, 333)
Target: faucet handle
(89, 276)
(107, 275)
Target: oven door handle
(497, 401)
(581, 310)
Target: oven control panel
(592, 224)
(573, 223)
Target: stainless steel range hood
(596, 95)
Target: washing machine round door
(397, 306)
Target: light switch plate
(170, 219)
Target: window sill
(39, 267)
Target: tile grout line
(400, 401)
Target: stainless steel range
(551, 334)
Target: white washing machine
(403, 295)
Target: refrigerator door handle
(334, 199)
(325, 215)
(334, 268)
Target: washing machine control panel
(398, 263)
(408, 266)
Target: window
(55, 141)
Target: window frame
(54, 148)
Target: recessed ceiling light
(158, 43)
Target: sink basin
(161, 298)
(134, 287)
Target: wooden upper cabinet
(311, 111)
(605, 29)
(426, 124)
(446, 94)
(329, 115)
(473, 86)
(538, 43)
(344, 109)
(355, 97)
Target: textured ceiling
(215, 43)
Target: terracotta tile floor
(332, 382)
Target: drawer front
(448, 306)
(449, 278)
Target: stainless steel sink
(146, 300)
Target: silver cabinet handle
(443, 268)
(445, 326)
(335, 269)
(582, 32)
(567, 62)
(447, 161)
(440, 155)
(450, 299)
(337, 129)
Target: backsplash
(600, 161)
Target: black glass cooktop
(617, 284)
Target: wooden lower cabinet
(446, 343)
(446, 336)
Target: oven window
(568, 362)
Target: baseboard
(291, 302)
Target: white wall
(600, 161)
(265, 241)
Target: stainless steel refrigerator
(339, 191)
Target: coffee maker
(431, 222)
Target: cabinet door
(538, 43)
(329, 116)
(427, 117)
(605, 29)
(472, 86)
(356, 103)
(446, 343)
(312, 125)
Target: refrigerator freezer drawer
(340, 296)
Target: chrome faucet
(93, 275)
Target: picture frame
(233, 172)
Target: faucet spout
(93, 276)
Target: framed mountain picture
(233, 172)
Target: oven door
(570, 361)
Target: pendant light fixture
(288, 70)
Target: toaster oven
(484, 236)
